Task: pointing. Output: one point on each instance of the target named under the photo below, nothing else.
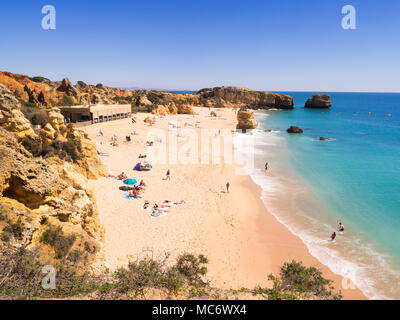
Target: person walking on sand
(227, 187)
(266, 166)
(168, 175)
(333, 236)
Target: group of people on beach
(340, 229)
(162, 209)
(136, 191)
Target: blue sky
(264, 45)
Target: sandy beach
(242, 240)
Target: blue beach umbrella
(130, 181)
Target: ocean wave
(355, 259)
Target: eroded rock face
(67, 88)
(319, 101)
(246, 120)
(11, 117)
(34, 190)
(46, 93)
(234, 96)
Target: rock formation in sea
(319, 101)
(245, 120)
(294, 129)
(44, 188)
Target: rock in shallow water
(294, 129)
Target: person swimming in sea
(333, 236)
(341, 227)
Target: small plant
(148, 273)
(296, 281)
(39, 79)
(34, 146)
(75, 256)
(192, 267)
(55, 237)
(5, 236)
(70, 150)
(15, 229)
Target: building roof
(97, 107)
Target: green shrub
(75, 256)
(34, 146)
(192, 267)
(39, 79)
(15, 229)
(55, 237)
(5, 236)
(34, 113)
(296, 281)
(70, 150)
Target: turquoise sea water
(353, 178)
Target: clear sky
(264, 45)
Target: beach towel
(156, 214)
(127, 196)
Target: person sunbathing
(155, 213)
(100, 153)
(134, 194)
(122, 176)
(142, 156)
(146, 204)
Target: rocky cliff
(234, 97)
(41, 92)
(44, 189)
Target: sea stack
(319, 101)
(246, 120)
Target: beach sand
(242, 240)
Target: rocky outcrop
(89, 163)
(46, 93)
(36, 192)
(294, 129)
(319, 101)
(67, 88)
(246, 120)
(233, 96)
(11, 117)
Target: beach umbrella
(130, 181)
